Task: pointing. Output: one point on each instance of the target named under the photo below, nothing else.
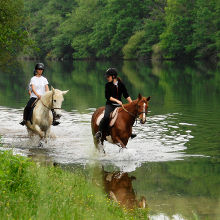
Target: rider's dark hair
(111, 72)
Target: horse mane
(129, 105)
(46, 98)
(134, 102)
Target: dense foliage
(129, 29)
(12, 33)
(113, 28)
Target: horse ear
(148, 98)
(139, 96)
(52, 89)
(65, 92)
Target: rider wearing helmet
(37, 87)
(114, 89)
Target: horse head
(57, 99)
(142, 106)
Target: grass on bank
(29, 191)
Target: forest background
(103, 29)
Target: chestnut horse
(121, 131)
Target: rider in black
(114, 89)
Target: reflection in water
(186, 188)
(40, 155)
(118, 186)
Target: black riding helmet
(38, 66)
(111, 72)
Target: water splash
(161, 138)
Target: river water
(175, 157)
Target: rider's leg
(27, 111)
(105, 120)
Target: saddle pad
(113, 117)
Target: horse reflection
(119, 188)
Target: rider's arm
(46, 88)
(115, 100)
(33, 89)
(129, 99)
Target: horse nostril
(142, 121)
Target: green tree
(178, 32)
(117, 24)
(43, 21)
(140, 44)
(205, 29)
(12, 33)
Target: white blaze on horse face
(144, 116)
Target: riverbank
(32, 191)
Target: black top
(114, 91)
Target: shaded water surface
(173, 162)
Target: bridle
(133, 115)
(52, 109)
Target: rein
(52, 109)
(135, 116)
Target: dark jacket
(114, 91)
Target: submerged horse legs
(99, 145)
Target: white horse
(42, 117)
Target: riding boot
(55, 123)
(98, 134)
(25, 115)
(133, 136)
(23, 122)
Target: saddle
(113, 117)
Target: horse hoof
(122, 148)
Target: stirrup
(133, 136)
(98, 135)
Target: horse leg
(38, 130)
(122, 144)
(99, 146)
(47, 133)
(30, 132)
